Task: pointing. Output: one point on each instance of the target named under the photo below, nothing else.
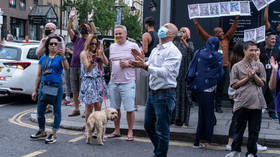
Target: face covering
(84, 31)
(162, 32)
(48, 32)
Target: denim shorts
(122, 93)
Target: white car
(18, 67)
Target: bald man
(224, 39)
(50, 29)
(163, 66)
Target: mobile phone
(93, 58)
(59, 45)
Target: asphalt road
(15, 129)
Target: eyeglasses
(53, 44)
(93, 43)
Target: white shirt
(163, 66)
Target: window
(22, 4)
(32, 54)
(10, 53)
(35, 1)
(12, 3)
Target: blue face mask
(162, 32)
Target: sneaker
(198, 145)
(50, 139)
(261, 148)
(39, 135)
(250, 155)
(228, 147)
(65, 102)
(233, 154)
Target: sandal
(129, 138)
(113, 135)
(74, 113)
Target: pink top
(122, 53)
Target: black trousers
(253, 117)
(269, 99)
(222, 88)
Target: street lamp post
(1, 23)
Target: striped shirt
(249, 95)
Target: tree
(104, 15)
(132, 21)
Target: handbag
(49, 92)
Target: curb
(139, 131)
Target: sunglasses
(53, 44)
(183, 31)
(93, 43)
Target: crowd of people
(175, 74)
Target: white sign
(257, 34)
(206, 10)
(1, 20)
(260, 4)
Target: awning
(43, 14)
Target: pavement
(269, 134)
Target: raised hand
(274, 63)
(72, 13)
(101, 49)
(90, 15)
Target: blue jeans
(41, 109)
(157, 120)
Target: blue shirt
(277, 44)
(56, 69)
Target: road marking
(76, 139)
(35, 153)
(3, 105)
(16, 119)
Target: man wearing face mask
(163, 66)
(49, 32)
(78, 46)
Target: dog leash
(102, 87)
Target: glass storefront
(17, 28)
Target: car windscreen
(10, 53)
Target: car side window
(32, 54)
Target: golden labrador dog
(98, 120)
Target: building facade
(28, 17)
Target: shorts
(122, 93)
(75, 79)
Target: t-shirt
(122, 53)
(78, 47)
(56, 67)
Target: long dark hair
(48, 43)
(237, 54)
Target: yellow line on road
(35, 153)
(16, 119)
(76, 139)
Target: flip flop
(113, 135)
(129, 138)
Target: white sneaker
(233, 154)
(228, 147)
(261, 148)
(263, 110)
(250, 155)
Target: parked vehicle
(18, 67)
